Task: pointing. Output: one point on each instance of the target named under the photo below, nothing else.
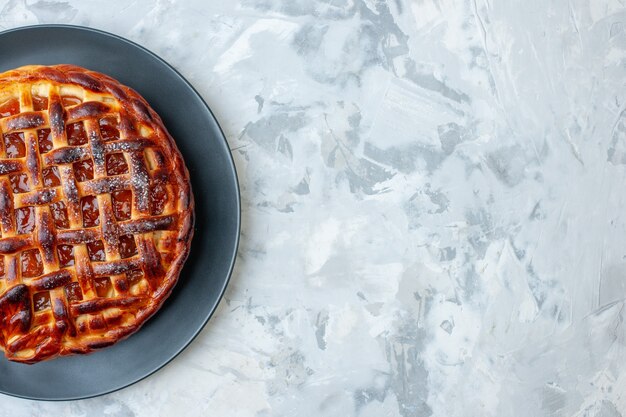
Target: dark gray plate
(214, 182)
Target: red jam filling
(73, 292)
(66, 255)
(59, 214)
(128, 247)
(19, 183)
(40, 103)
(70, 101)
(116, 164)
(51, 177)
(108, 129)
(76, 134)
(103, 286)
(41, 301)
(25, 217)
(9, 108)
(44, 138)
(83, 170)
(96, 251)
(31, 263)
(122, 204)
(14, 145)
(89, 208)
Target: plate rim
(233, 169)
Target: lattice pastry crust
(96, 212)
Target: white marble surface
(434, 217)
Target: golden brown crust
(96, 212)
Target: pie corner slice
(96, 212)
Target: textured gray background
(433, 211)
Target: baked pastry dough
(96, 212)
